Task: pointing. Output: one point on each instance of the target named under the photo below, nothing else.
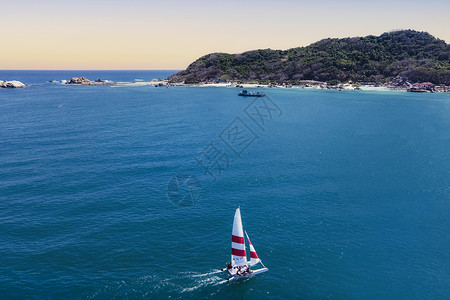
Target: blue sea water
(345, 194)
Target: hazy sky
(138, 34)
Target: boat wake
(193, 281)
(202, 283)
(207, 274)
(221, 282)
(160, 286)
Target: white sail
(238, 255)
(254, 259)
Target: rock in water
(80, 80)
(85, 81)
(11, 84)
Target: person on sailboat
(239, 271)
(229, 265)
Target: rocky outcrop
(85, 81)
(11, 84)
(80, 80)
(399, 82)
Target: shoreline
(165, 83)
(316, 85)
(349, 86)
(321, 86)
(366, 86)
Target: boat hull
(255, 272)
(256, 95)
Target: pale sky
(145, 35)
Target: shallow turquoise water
(344, 194)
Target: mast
(238, 254)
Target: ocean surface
(129, 192)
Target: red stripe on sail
(237, 239)
(237, 252)
(253, 254)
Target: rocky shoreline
(395, 85)
(391, 86)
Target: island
(405, 59)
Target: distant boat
(417, 90)
(239, 267)
(246, 93)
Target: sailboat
(239, 266)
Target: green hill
(406, 55)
